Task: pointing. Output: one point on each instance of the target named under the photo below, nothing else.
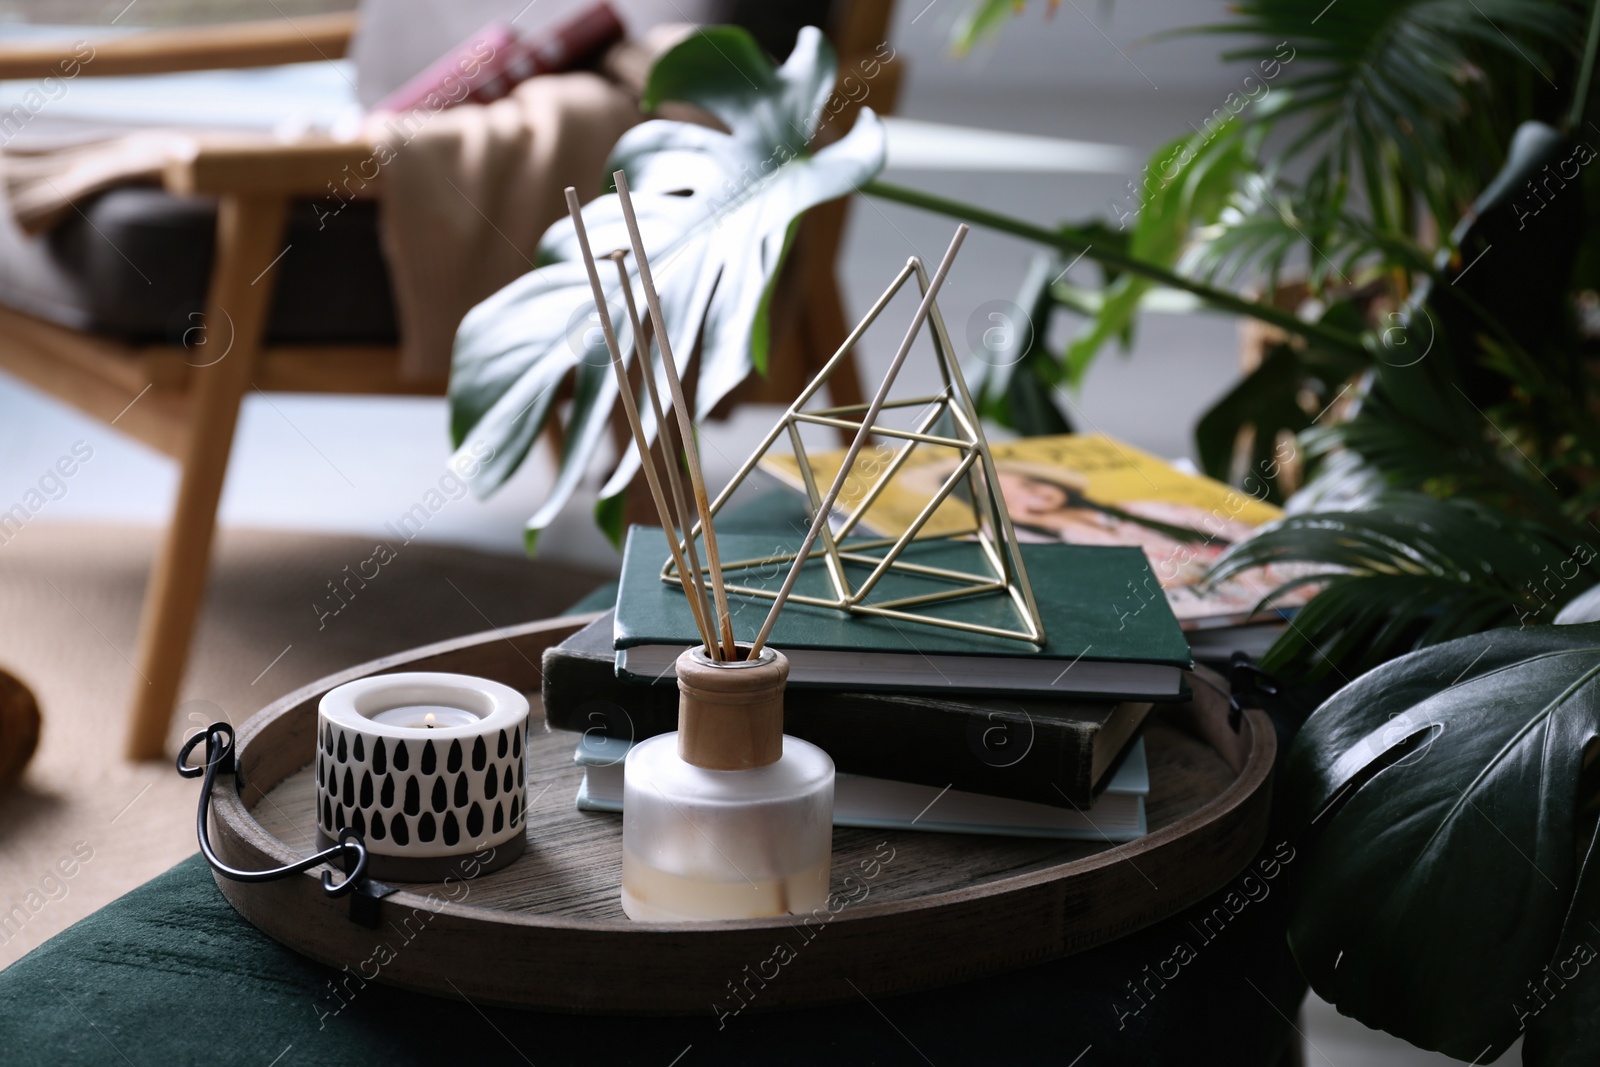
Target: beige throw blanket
(466, 191)
(42, 185)
(467, 196)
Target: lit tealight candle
(425, 716)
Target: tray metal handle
(220, 758)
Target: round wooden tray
(548, 931)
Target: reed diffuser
(727, 818)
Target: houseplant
(1442, 391)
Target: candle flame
(428, 720)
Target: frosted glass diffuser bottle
(727, 818)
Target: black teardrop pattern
(366, 801)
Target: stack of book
(930, 728)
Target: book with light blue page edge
(1118, 815)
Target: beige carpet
(85, 826)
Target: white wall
(1083, 46)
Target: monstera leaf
(1453, 893)
(716, 210)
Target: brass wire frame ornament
(1005, 574)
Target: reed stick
(879, 398)
(632, 409)
(680, 503)
(685, 425)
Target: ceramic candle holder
(427, 767)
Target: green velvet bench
(170, 974)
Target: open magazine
(1085, 490)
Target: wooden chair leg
(249, 238)
(826, 329)
(822, 320)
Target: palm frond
(1267, 223)
(1187, 185)
(1426, 437)
(1404, 98)
(1407, 571)
(1392, 89)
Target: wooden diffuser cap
(730, 715)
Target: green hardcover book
(1046, 751)
(1104, 640)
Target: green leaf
(717, 211)
(1445, 880)
(1509, 278)
(1013, 383)
(608, 515)
(1410, 103)
(1186, 186)
(1408, 571)
(719, 68)
(980, 21)
(1268, 402)
(1403, 96)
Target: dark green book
(1105, 640)
(1047, 751)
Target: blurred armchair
(157, 307)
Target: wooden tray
(548, 931)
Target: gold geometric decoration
(946, 420)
